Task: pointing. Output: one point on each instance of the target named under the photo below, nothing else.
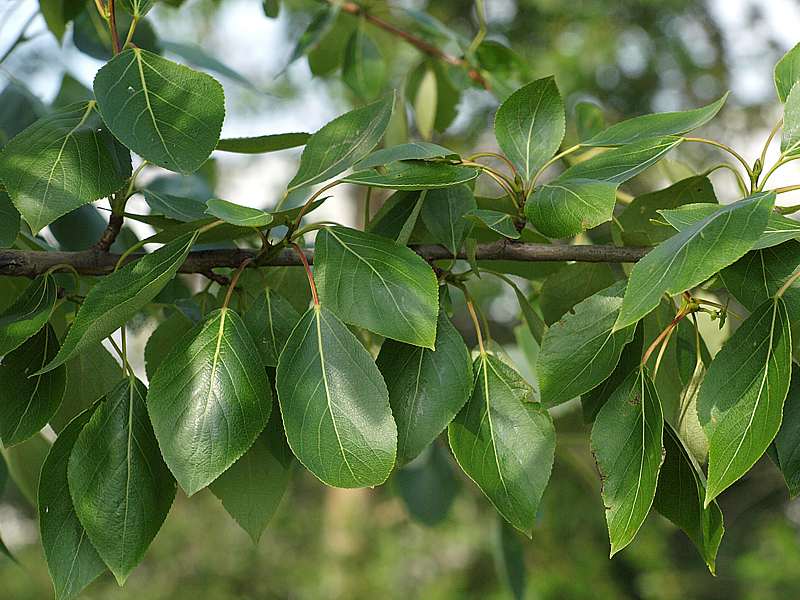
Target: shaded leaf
(120, 486)
(428, 485)
(410, 151)
(582, 349)
(9, 221)
(787, 442)
(569, 285)
(679, 497)
(72, 561)
(443, 214)
(426, 388)
(499, 222)
(163, 340)
(62, 161)
(372, 282)
(270, 320)
(197, 56)
(27, 402)
(263, 143)
(235, 214)
(413, 175)
(364, 70)
(28, 314)
(174, 207)
(252, 488)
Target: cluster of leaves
(244, 377)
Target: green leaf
(504, 441)
(428, 485)
(270, 320)
(582, 349)
(741, 399)
(114, 299)
(91, 374)
(209, 400)
(163, 339)
(27, 402)
(175, 207)
(569, 285)
(496, 221)
(137, 8)
(761, 273)
(627, 442)
(787, 442)
(589, 120)
(326, 377)
(271, 8)
(413, 175)
(363, 70)
(62, 161)
(410, 151)
(779, 229)
(790, 139)
(120, 486)
(434, 96)
(618, 165)
(178, 112)
(693, 255)
(629, 361)
(28, 314)
(679, 497)
(443, 214)
(72, 561)
(510, 559)
(263, 143)
(24, 463)
(342, 143)
(787, 72)
(372, 282)
(197, 56)
(565, 207)
(9, 221)
(530, 126)
(320, 24)
(426, 388)
(252, 488)
(235, 214)
(656, 125)
(635, 222)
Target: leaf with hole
(167, 113)
(334, 404)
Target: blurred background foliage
(429, 533)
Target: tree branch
(24, 263)
(420, 44)
(110, 233)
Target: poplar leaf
(740, 405)
(178, 111)
(120, 486)
(334, 403)
(426, 388)
(505, 442)
(627, 442)
(209, 400)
